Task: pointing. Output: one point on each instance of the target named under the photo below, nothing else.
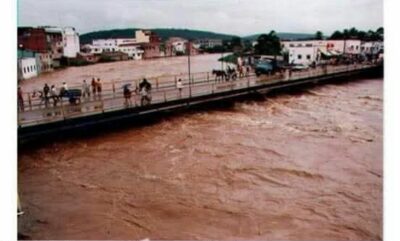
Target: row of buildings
(310, 52)
(146, 44)
(42, 49)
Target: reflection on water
(291, 167)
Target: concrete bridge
(37, 121)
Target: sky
(239, 17)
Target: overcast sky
(240, 17)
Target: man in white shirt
(179, 86)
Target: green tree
(236, 42)
(380, 33)
(337, 35)
(268, 44)
(319, 35)
(353, 32)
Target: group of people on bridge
(50, 95)
(231, 73)
(144, 90)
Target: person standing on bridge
(247, 70)
(53, 95)
(64, 89)
(94, 88)
(179, 86)
(98, 85)
(85, 89)
(46, 90)
(20, 99)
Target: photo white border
(8, 162)
(8, 132)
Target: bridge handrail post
(62, 107)
(113, 88)
(190, 89)
(165, 96)
(208, 77)
(29, 101)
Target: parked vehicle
(268, 66)
(299, 67)
(264, 68)
(73, 95)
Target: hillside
(285, 36)
(162, 32)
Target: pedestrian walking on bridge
(99, 87)
(46, 91)
(94, 88)
(85, 89)
(179, 86)
(53, 95)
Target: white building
(303, 52)
(179, 46)
(352, 46)
(133, 50)
(372, 47)
(303, 55)
(309, 51)
(27, 68)
(104, 45)
(71, 42)
(209, 43)
(125, 45)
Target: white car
(299, 67)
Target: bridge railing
(113, 99)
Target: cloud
(227, 16)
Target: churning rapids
(303, 166)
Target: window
(299, 56)
(24, 70)
(308, 56)
(308, 45)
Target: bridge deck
(166, 92)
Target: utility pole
(188, 49)
(222, 60)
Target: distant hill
(164, 33)
(283, 36)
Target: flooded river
(302, 166)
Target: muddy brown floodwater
(304, 166)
